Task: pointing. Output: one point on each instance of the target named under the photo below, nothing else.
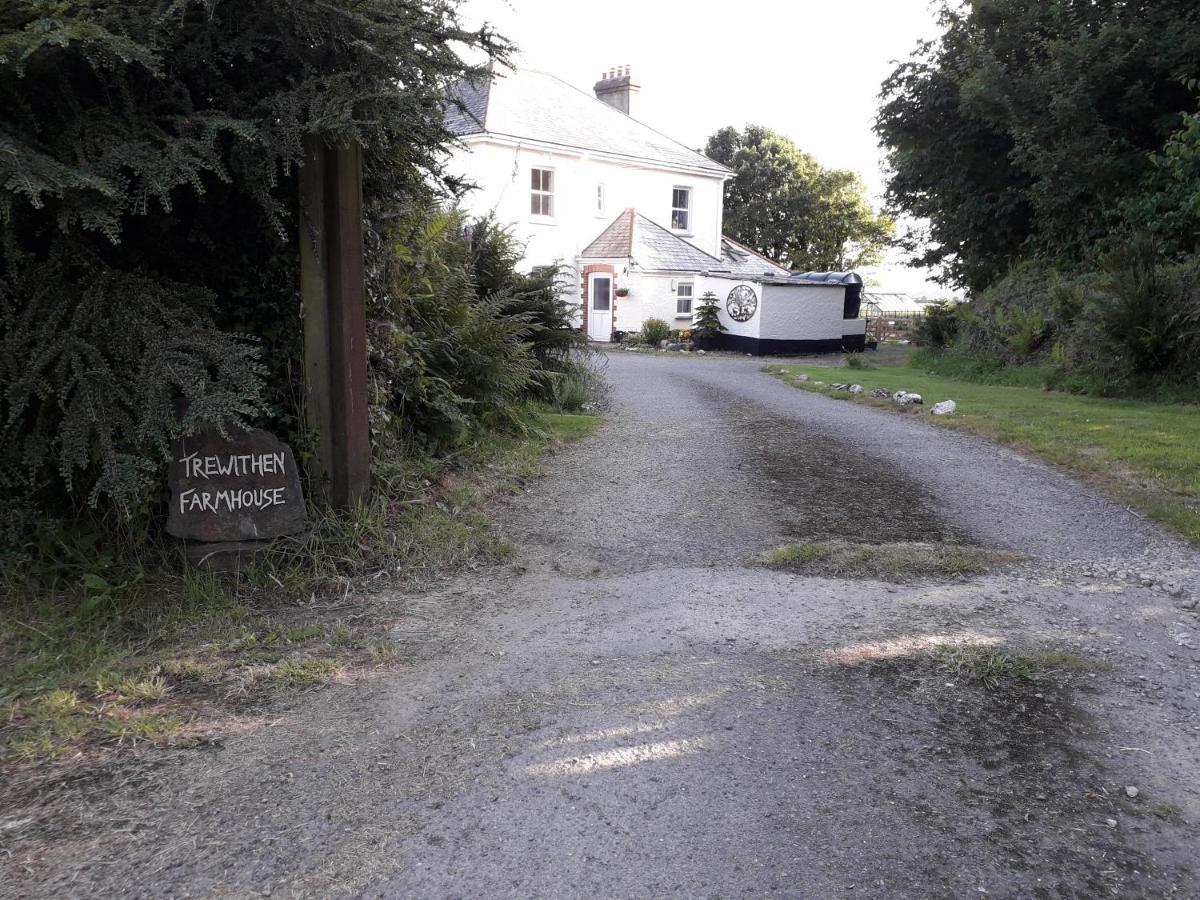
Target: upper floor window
(683, 298)
(681, 203)
(541, 195)
(600, 199)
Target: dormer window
(681, 203)
(541, 195)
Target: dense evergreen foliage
(148, 159)
(1027, 128)
(1053, 151)
(706, 324)
(791, 209)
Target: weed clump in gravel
(900, 561)
(993, 667)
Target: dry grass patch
(902, 561)
(62, 721)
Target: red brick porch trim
(583, 293)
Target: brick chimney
(616, 87)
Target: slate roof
(615, 241)
(743, 262)
(651, 247)
(655, 249)
(538, 106)
(467, 109)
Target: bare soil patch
(828, 488)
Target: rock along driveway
(627, 708)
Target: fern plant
(149, 152)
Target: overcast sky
(808, 69)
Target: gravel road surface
(629, 708)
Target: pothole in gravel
(820, 488)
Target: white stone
(856, 388)
(944, 408)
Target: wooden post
(335, 320)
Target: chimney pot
(616, 87)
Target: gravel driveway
(627, 707)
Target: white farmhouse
(633, 216)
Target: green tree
(707, 322)
(1019, 131)
(1168, 206)
(785, 205)
(148, 160)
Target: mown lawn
(1145, 455)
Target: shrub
(443, 360)
(148, 180)
(655, 331)
(558, 347)
(1024, 330)
(706, 323)
(95, 386)
(1142, 309)
(460, 340)
(939, 327)
(583, 389)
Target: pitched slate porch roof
(650, 246)
(655, 249)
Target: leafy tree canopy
(788, 207)
(1020, 131)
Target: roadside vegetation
(142, 649)
(1053, 151)
(904, 561)
(1146, 455)
(149, 287)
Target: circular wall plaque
(742, 303)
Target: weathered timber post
(335, 319)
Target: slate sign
(242, 488)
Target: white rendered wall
(721, 287)
(503, 175)
(801, 312)
(654, 297)
(854, 326)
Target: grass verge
(1145, 455)
(905, 561)
(117, 653)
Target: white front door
(600, 296)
